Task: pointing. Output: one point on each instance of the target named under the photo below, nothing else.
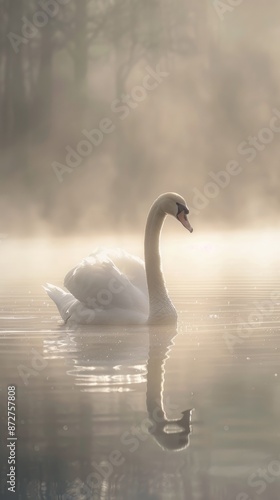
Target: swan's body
(113, 287)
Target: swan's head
(174, 204)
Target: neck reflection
(170, 434)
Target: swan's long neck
(161, 307)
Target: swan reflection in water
(117, 361)
(169, 434)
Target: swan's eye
(182, 208)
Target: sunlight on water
(105, 412)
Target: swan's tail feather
(63, 300)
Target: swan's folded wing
(129, 265)
(99, 284)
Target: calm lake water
(142, 413)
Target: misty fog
(106, 104)
(158, 382)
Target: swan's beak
(182, 217)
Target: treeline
(34, 32)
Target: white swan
(112, 287)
